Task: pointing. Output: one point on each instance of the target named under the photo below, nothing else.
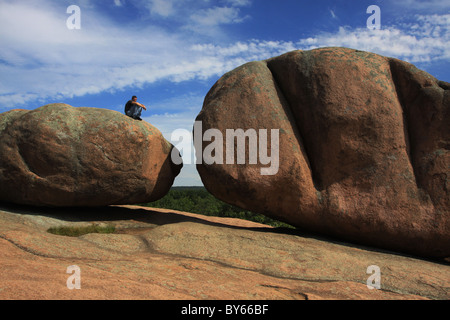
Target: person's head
(134, 98)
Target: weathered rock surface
(164, 254)
(363, 147)
(58, 155)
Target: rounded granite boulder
(362, 150)
(58, 155)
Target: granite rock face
(162, 254)
(58, 155)
(363, 147)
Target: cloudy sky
(170, 52)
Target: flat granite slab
(161, 254)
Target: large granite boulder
(363, 147)
(58, 155)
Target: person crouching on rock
(133, 108)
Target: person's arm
(139, 104)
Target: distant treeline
(199, 200)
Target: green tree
(199, 200)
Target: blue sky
(170, 52)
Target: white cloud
(428, 39)
(422, 5)
(164, 8)
(201, 12)
(217, 15)
(239, 3)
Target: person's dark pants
(135, 112)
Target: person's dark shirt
(128, 106)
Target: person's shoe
(137, 118)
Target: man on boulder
(133, 108)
